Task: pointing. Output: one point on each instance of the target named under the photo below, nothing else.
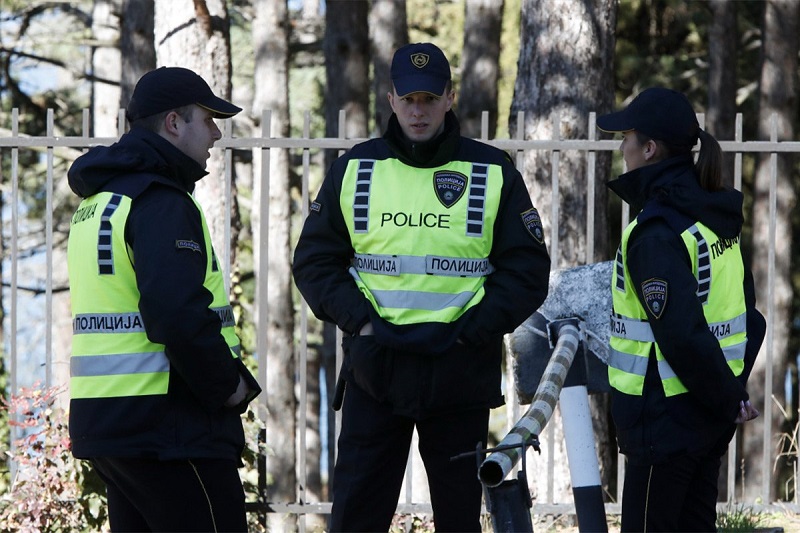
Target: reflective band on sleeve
(394, 265)
(107, 323)
(629, 363)
(126, 363)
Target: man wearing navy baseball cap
(424, 248)
(172, 87)
(420, 67)
(157, 386)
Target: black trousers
(373, 453)
(197, 495)
(677, 495)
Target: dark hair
(154, 122)
(709, 160)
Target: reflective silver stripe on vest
(732, 353)
(107, 323)
(628, 363)
(729, 327)
(130, 322)
(394, 265)
(620, 271)
(429, 301)
(105, 254)
(703, 266)
(225, 315)
(476, 202)
(361, 196)
(639, 330)
(126, 363)
(629, 328)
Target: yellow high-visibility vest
(422, 236)
(718, 268)
(111, 354)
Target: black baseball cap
(661, 114)
(168, 88)
(420, 67)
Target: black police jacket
(174, 306)
(652, 428)
(428, 368)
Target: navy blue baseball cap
(420, 67)
(169, 88)
(661, 114)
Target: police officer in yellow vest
(157, 385)
(684, 329)
(424, 248)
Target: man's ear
(171, 123)
(650, 149)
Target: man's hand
(746, 412)
(241, 393)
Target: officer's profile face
(421, 114)
(634, 153)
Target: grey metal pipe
(498, 464)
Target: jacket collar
(434, 153)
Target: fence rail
(31, 328)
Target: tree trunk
(106, 67)
(271, 246)
(388, 31)
(137, 44)
(565, 71)
(480, 64)
(196, 35)
(346, 46)
(347, 87)
(777, 96)
(722, 53)
(721, 108)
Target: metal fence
(34, 293)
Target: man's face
(421, 115)
(196, 134)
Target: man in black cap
(424, 248)
(157, 385)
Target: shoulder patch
(533, 223)
(186, 244)
(655, 292)
(315, 207)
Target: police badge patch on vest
(654, 291)
(185, 244)
(449, 186)
(533, 223)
